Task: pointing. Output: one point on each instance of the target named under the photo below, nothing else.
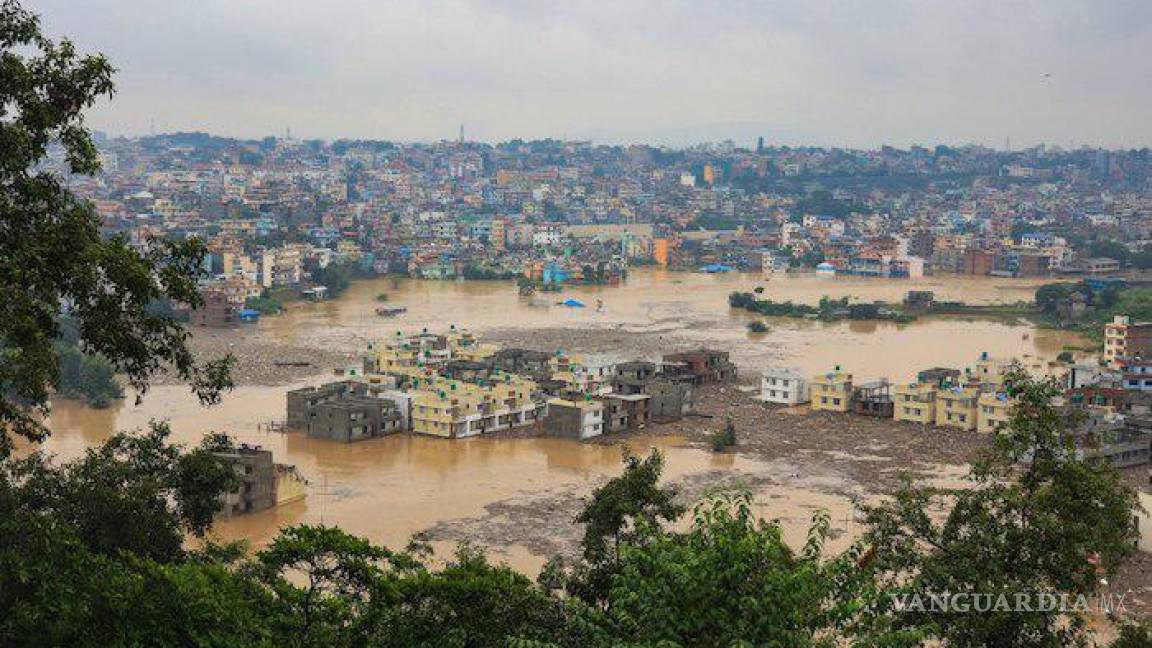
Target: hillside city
(575, 325)
(276, 212)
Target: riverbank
(261, 361)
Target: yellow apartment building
(455, 409)
(428, 349)
(956, 407)
(990, 371)
(915, 402)
(993, 412)
(832, 391)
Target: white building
(783, 386)
(772, 265)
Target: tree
(730, 580)
(1036, 519)
(336, 277)
(91, 550)
(1110, 249)
(470, 602)
(136, 493)
(726, 437)
(51, 250)
(617, 513)
(338, 571)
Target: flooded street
(389, 489)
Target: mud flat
(261, 361)
(794, 461)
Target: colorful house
(915, 402)
(832, 391)
(956, 407)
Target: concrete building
(832, 391)
(218, 310)
(1137, 375)
(1125, 340)
(456, 409)
(873, 399)
(669, 399)
(1123, 441)
(302, 403)
(990, 371)
(624, 412)
(635, 371)
(703, 365)
(282, 266)
(785, 386)
(939, 377)
(263, 483)
(956, 407)
(1100, 265)
(579, 419)
(915, 402)
(355, 419)
(993, 410)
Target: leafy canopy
(51, 248)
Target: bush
(757, 326)
(724, 438)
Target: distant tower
(1008, 143)
(760, 144)
(461, 132)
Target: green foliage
(617, 513)
(827, 309)
(265, 304)
(1110, 249)
(136, 493)
(1133, 635)
(381, 297)
(822, 203)
(336, 277)
(757, 326)
(52, 251)
(338, 572)
(470, 602)
(90, 554)
(1037, 527)
(730, 580)
(85, 377)
(725, 437)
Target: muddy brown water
(390, 488)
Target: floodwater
(389, 489)
(692, 307)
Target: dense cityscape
(662, 347)
(276, 212)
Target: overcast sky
(666, 72)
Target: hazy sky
(669, 72)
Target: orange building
(660, 251)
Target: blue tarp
(573, 303)
(716, 267)
(249, 315)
